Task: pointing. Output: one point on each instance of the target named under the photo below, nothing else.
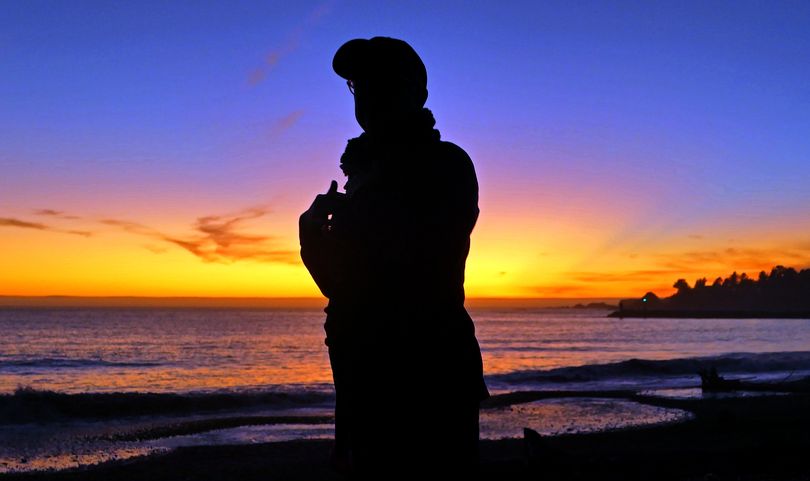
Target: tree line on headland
(785, 292)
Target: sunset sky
(168, 148)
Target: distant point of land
(594, 305)
(782, 293)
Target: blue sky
(693, 112)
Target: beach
(729, 438)
(224, 393)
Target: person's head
(388, 78)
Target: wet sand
(758, 437)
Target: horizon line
(57, 300)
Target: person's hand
(324, 205)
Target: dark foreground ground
(755, 438)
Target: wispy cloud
(736, 258)
(218, 238)
(24, 224)
(556, 290)
(54, 213)
(622, 276)
(666, 268)
(130, 226)
(12, 222)
(284, 123)
(155, 248)
(582, 290)
(290, 44)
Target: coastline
(763, 437)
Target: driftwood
(711, 381)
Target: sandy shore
(762, 438)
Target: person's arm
(313, 250)
(318, 248)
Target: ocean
(273, 362)
(182, 350)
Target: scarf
(374, 154)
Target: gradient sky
(167, 148)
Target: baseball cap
(379, 57)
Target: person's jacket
(392, 264)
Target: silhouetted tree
(682, 286)
(783, 290)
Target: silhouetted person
(390, 254)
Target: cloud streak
(285, 123)
(24, 224)
(218, 238)
(212, 238)
(290, 44)
(55, 213)
(666, 268)
(738, 258)
(625, 276)
(12, 222)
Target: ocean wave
(63, 362)
(732, 363)
(27, 404)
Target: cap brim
(349, 58)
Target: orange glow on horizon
(512, 256)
